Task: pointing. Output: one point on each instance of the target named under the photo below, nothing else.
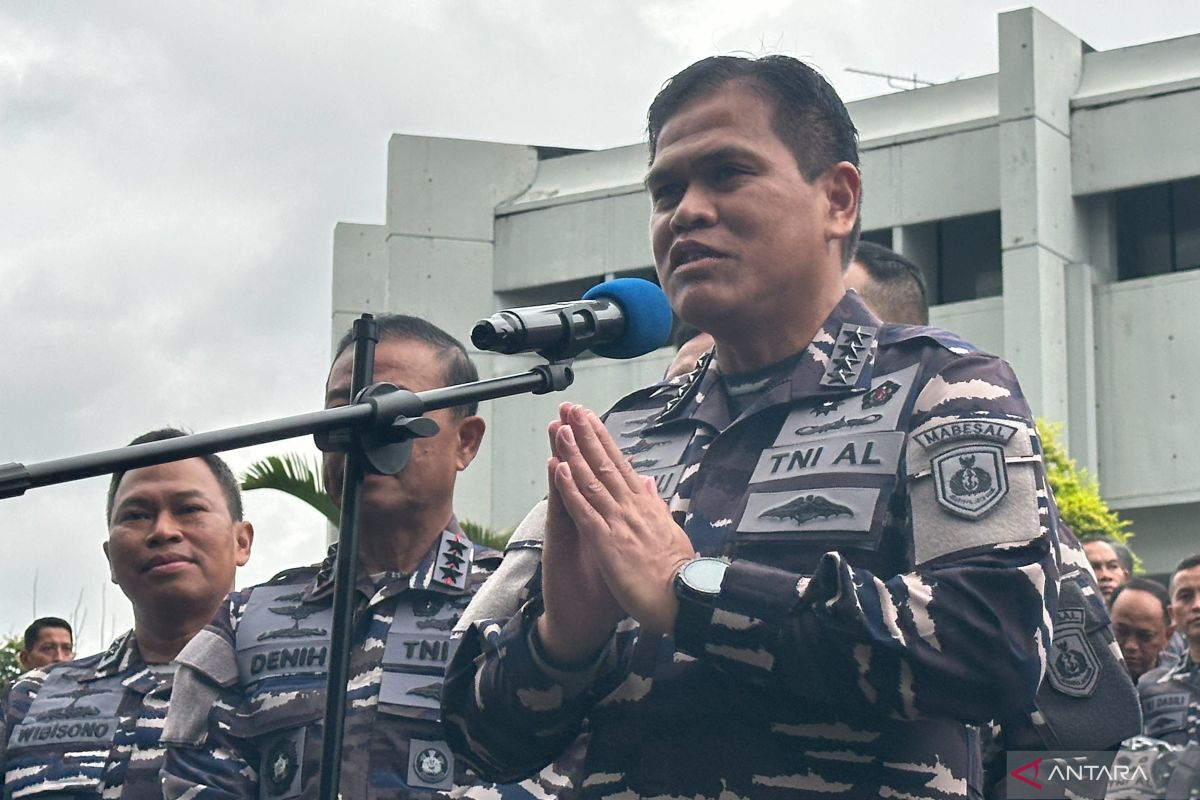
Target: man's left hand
(636, 544)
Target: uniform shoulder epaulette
(891, 334)
(291, 574)
(641, 398)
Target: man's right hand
(580, 612)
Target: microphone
(621, 318)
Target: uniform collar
(839, 361)
(120, 655)
(1183, 666)
(444, 568)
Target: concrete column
(1040, 68)
(441, 200)
(918, 243)
(433, 258)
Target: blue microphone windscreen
(647, 316)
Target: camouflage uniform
(87, 728)
(893, 576)
(261, 665)
(1171, 702)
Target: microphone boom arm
(372, 412)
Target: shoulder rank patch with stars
(849, 355)
(453, 559)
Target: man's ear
(470, 435)
(843, 189)
(243, 537)
(112, 574)
(23, 661)
(332, 470)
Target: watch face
(704, 574)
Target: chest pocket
(658, 455)
(53, 749)
(416, 654)
(1165, 712)
(283, 653)
(830, 457)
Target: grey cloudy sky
(170, 175)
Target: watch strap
(693, 617)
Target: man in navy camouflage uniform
(251, 692)
(90, 727)
(1170, 695)
(836, 549)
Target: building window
(881, 237)
(968, 258)
(1158, 229)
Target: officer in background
(90, 727)
(251, 690)
(48, 640)
(1141, 620)
(835, 555)
(1171, 695)
(1112, 563)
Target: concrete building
(1055, 205)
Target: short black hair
(1124, 554)
(220, 470)
(41, 623)
(897, 291)
(809, 117)
(1149, 587)
(1190, 562)
(459, 368)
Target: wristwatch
(697, 585)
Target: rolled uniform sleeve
(203, 760)
(963, 633)
(14, 706)
(533, 710)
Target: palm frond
(291, 474)
(483, 535)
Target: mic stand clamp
(384, 450)
(558, 375)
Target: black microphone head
(647, 316)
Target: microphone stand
(376, 432)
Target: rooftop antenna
(894, 81)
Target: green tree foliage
(9, 668)
(291, 474)
(1077, 493)
(483, 535)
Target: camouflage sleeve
(508, 712)
(203, 760)
(963, 632)
(15, 705)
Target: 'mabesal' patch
(970, 480)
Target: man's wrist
(696, 587)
